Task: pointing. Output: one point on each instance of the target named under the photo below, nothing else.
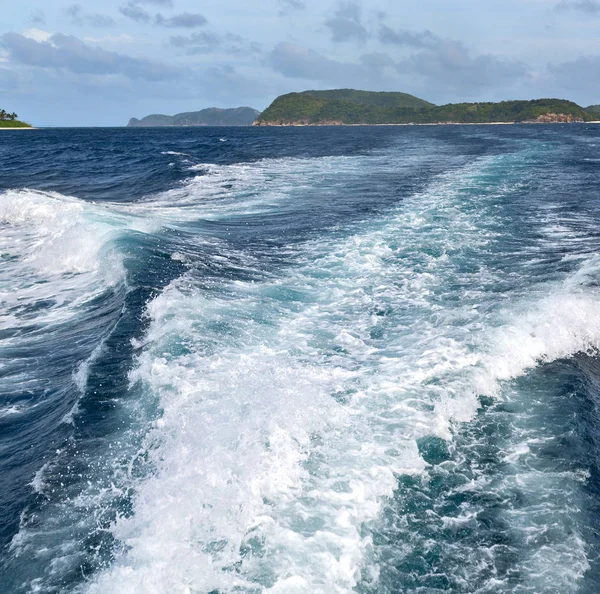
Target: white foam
(13, 409)
(56, 251)
(556, 327)
(56, 234)
(82, 372)
(176, 154)
(224, 191)
(57, 255)
(38, 480)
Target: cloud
(185, 20)
(586, 6)
(286, 7)
(295, 61)
(134, 12)
(37, 18)
(449, 67)
(77, 15)
(65, 52)
(346, 25)
(207, 43)
(121, 39)
(402, 37)
(377, 61)
(575, 75)
(37, 34)
(446, 69)
(225, 83)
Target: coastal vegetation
(594, 110)
(537, 110)
(213, 116)
(347, 107)
(343, 106)
(373, 98)
(9, 120)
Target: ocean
(300, 361)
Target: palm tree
(3, 114)
(13, 116)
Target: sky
(65, 63)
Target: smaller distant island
(213, 116)
(344, 107)
(9, 120)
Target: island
(340, 107)
(213, 116)
(9, 120)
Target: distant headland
(9, 120)
(213, 116)
(342, 107)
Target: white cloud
(111, 39)
(37, 34)
(68, 53)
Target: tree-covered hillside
(593, 109)
(312, 108)
(509, 111)
(346, 106)
(377, 99)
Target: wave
(63, 285)
(59, 256)
(56, 234)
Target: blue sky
(100, 63)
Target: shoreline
(424, 124)
(329, 125)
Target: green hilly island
(213, 116)
(350, 107)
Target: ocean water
(307, 361)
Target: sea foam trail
(291, 406)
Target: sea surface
(300, 361)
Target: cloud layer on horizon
(66, 52)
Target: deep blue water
(297, 361)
